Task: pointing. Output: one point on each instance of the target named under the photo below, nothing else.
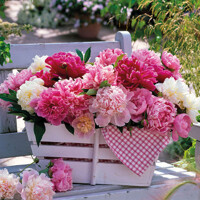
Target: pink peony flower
(35, 186)
(51, 106)
(148, 57)
(61, 174)
(182, 126)
(108, 56)
(84, 125)
(140, 99)
(112, 105)
(69, 91)
(170, 61)
(133, 73)
(66, 65)
(47, 77)
(8, 184)
(13, 82)
(152, 60)
(161, 115)
(97, 73)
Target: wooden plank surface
(22, 54)
(14, 144)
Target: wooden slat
(14, 144)
(195, 131)
(22, 54)
(71, 152)
(107, 173)
(59, 134)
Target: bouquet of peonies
(84, 12)
(143, 90)
(34, 185)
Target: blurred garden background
(173, 25)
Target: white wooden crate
(90, 158)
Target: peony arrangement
(34, 185)
(144, 90)
(84, 12)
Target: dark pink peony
(47, 77)
(151, 59)
(161, 115)
(140, 100)
(51, 106)
(133, 73)
(182, 126)
(61, 175)
(170, 61)
(66, 65)
(108, 56)
(70, 90)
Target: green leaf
(80, 54)
(91, 92)
(118, 59)
(7, 97)
(87, 55)
(44, 171)
(104, 84)
(18, 114)
(69, 128)
(39, 130)
(120, 128)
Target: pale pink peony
(182, 126)
(161, 115)
(8, 184)
(51, 106)
(61, 175)
(140, 99)
(66, 65)
(112, 105)
(13, 82)
(97, 73)
(133, 73)
(108, 56)
(69, 91)
(170, 61)
(35, 186)
(84, 125)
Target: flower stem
(171, 192)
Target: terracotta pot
(90, 31)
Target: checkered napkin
(138, 151)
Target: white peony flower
(173, 90)
(38, 64)
(8, 184)
(29, 91)
(192, 105)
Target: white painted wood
(124, 38)
(71, 152)
(7, 122)
(195, 131)
(59, 134)
(103, 173)
(14, 144)
(22, 54)
(95, 157)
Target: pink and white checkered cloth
(138, 151)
